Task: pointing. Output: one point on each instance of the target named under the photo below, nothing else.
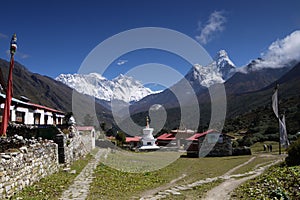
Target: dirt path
(80, 188)
(150, 193)
(221, 191)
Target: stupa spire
(147, 122)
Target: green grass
(52, 186)
(201, 168)
(195, 193)
(279, 182)
(258, 147)
(139, 162)
(110, 183)
(258, 161)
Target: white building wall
(29, 119)
(13, 114)
(29, 115)
(50, 120)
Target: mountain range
(128, 89)
(123, 87)
(247, 88)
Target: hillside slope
(46, 91)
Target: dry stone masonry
(25, 161)
(21, 167)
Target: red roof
(198, 135)
(133, 139)
(44, 108)
(166, 136)
(85, 128)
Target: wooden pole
(276, 88)
(279, 137)
(8, 98)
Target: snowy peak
(206, 76)
(221, 69)
(128, 89)
(126, 80)
(224, 65)
(223, 60)
(120, 88)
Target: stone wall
(74, 149)
(88, 139)
(25, 161)
(70, 148)
(23, 166)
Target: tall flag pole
(9, 90)
(275, 109)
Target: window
(45, 119)
(59, 120)
(212, 138)
(37, 118)
(20, 117)
(221, 139)
(54, 119)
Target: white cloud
(23, 55)
(3, 36)
(18, 54)
(121, 62)
(282, 52)
(214, 24)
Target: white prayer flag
(283, 133)
(275, 103)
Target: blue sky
(55, 37)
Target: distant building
(175, 137)
(133, 142)
(25, 112)
(88, 135)
(148, 140)
(211, 143)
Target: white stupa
(148, 141)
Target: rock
(18, 137)
(6, 157)
(24, 149)
(14, 154)
(67, 169)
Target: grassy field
(111, 183)
(128, 161)
(279, 182)
(260, 160)
(122, 175)
(51, 187)
(258, 147)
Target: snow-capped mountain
(220, 70)
(224, 65)
(123, 87)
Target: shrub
(293, 154)
(245, 141)
(235, 143)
